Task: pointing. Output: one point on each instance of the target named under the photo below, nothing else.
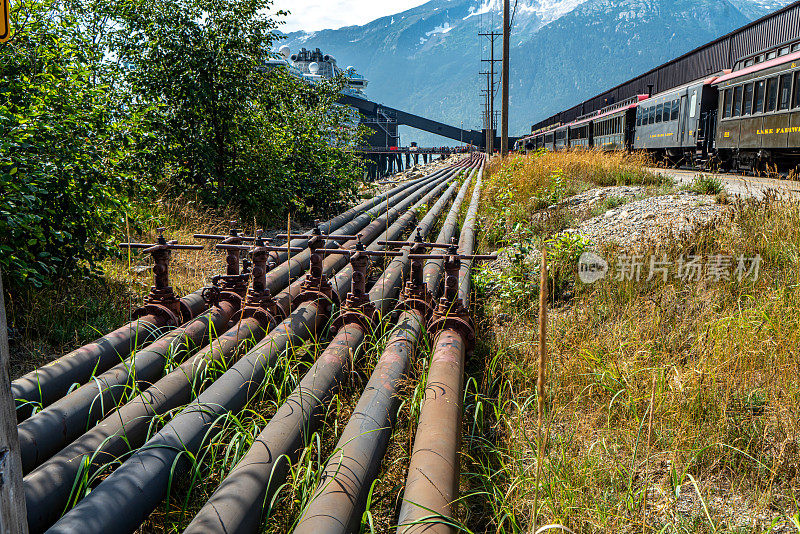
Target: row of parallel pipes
(141, 481)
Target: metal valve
(450, 311)
(258, 296)
(162, 299)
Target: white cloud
(313, 15)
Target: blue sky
(313, 15)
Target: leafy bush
(106, 105)
(223, 128)
(65, 184)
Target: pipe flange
(455, 317)
(416, 298)
(214, 295)
(264, 317)
(356, 310)
(318, 291)
(160, 310)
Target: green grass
(705, 184)
(717, 357)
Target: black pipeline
(139, 484)
(45, 385)
(48, 488)
(237, 505)
(340, 496)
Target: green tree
(65, 179)
(223, 127)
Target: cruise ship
(313, 65)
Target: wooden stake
(647, 453)
(289, 243)
(13, 517)
(540, 382)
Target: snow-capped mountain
(426, 60)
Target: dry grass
(722, 356)
(517, 187)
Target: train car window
(785, 92)
(795, 47)
(727, 105)
(652, 118)
(748, 99)
(737, 101)
(693, 107)
(784, 51)
(748, 63)
(796, 90)
(676, 104)
(659, 113)
(772, 55)
(758, 99)
(772, 94)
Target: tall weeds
(674, 403)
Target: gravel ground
(639, 222)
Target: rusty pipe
(347, 476)
(340, 220)
(340, 496)
(237, 505)
(432, 483)
(431, 489)
(432, 273)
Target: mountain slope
(426, 60)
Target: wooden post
(13, 518)
(540, 382)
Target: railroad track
(98, 405)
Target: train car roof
(609, 113)
(795, 56)
(704, 81)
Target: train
(742, 119)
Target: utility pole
(506, 39)
(492, 35)
(486, 121)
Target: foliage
(108, 105)
(65, 182)
(223, 127)
(705, 184)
